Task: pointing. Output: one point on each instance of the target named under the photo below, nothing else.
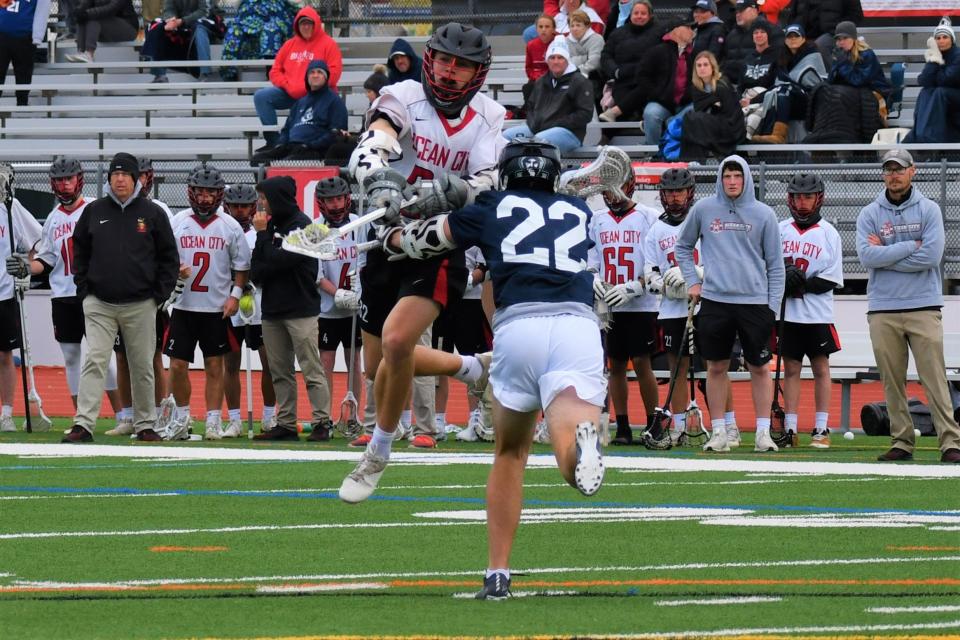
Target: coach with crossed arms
(125, 265)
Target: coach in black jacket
(291, 304)
(125, 265)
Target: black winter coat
(841, 114)
(822, 16)
(568, 104)
(739, 45)
(656, 79)
(759, 70)
(99, 9)
(715, 124)
(624, 50)
(710, 37)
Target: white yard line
(930, 609)
(316, 588)
(714, 633)
(645, 463)
(716, 601)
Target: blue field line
(328, 495)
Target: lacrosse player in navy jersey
(547, 353)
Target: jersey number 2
(536, 219)
(201, 259)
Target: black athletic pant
(19, 51)
(109, 29)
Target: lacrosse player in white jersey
(125, 417)
(26, 233)
(438, 139)
(55, 257)
(240, 201)
(616, 259)
(213, 245)
(813, 260)
(338, 282)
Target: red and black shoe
(77, 435)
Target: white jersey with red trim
(817, 251)
(56, 249)
(432, 143)
(251, 237)
(213, 248)
(338, 271)
(26, 234)
(658, 252)
(617, 253)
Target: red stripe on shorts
(440, 287)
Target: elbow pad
(374, 151)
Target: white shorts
(536, 358)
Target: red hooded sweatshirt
(290, 66)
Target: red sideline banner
(306, 179)
(909, 8)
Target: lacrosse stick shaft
(776, 375)
(27, 363)
(249, 381)
(367, 218)
(676, 366)
(18, 300)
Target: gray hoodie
(739, 244)
(901, 275)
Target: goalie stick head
(530, 164)
(205, 187)
(66, 179)
(805, 183)
(333, 199)
(610, 173)
(677, 188)
(6, 183)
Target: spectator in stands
(560, 105)
(799, 71)
(376, 81)
(760, 66)
(553, 7)
(403, 63)
(184, 31)
(711, 32)
(308, 43)
(586, 47)
(739, 43)
(102, 21)
(536, 54)
(936, 116)
(257, 31)
(313, 122)
(727, 12)
(624, 50)
(819, 19)
(716, 122)
(662, 88)
(771, 9)
(900, 241)
(856, 65)
(568, 7)
(22, 26)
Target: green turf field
(240, 540)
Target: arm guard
(373, 151)
(426, 238)
(818, 285)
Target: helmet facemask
(618, 206)
(807, 216)
(204, 200)
(66, 189)
(335, 209)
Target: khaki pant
(286, 340)
(425, 396)
(101, 322)
(151, 10)
(892, 334)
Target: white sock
(213, 416)
(7, 411)
(718, 425)
(470, 369)
(126, 413)
(268, 411)
(790, 422)
(380, 443)
(763, 425)
(405, 419)
(490, 572)
(441, 418)
(234, 414)
(820, 421)
(183, 412)
(730, 418)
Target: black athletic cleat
(496, 587)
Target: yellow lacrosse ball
(246, 304)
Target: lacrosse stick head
(6, 182)
(657, 435)
(348, 424)
(606, 175)
(315, 240)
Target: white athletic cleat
(212, 430)
(362, 481)
(541, 434)
(469, 432)
(267, 425)
(733, 436)
(124, 427)
(588, 473)
(765, 443)
(718, 442)
(477, 388)
(177, 429)
(234, 429)
(484, 427)
(7, 424)
(402, 432)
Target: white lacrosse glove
(675, 287)
(346, 299)
(621, 294)
(426, 238)
(444, 193)
(600, 287)
(932, 54)
(374, 150)
(18, 266)
(654, 282)
(384, 188)
(175, 294)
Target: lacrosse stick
(348, 424)
(6, 194)
(607, 174)
(657, 435)
(317, 240)
(778, 431)
(246, 319)
(695, 432)
(43, 422)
